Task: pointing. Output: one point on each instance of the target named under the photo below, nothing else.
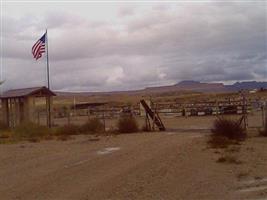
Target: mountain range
(187, 85)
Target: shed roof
(24, 92)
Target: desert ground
(175, 164)
(158, 165)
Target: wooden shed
(19, 105)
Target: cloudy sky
(119, 46)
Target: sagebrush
(230, 128)
(127, 124)
(226, 132)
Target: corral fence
(175, 115)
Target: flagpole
(48, 80)
(47, 61)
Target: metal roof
(26, 92)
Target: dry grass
(91, 127)
(5, 135)
(30, 131)
(220, 142)
(70, 129)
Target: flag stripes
(39, 48)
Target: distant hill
(187, 85)
(190, 86)
(247, 85)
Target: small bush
(92, 126)
(127, 124)
(231, 129)
(30, 130)
(70, 129)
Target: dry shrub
(226, 132)
(127, 124)
(232, 129)
(30, 131)
(5, 135)
(92, 126)
(70, 129)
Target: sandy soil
(170, 165)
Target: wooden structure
(19, 105)
(153, 115)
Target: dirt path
(137, 166)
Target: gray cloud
(164, 44)
(126, 11)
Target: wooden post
(47, 111)
(12, 112)
(244, 110)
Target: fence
(190, 115)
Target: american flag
(39, 47)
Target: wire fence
(174, 116)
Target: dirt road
(137, 166)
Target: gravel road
(137, 166)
